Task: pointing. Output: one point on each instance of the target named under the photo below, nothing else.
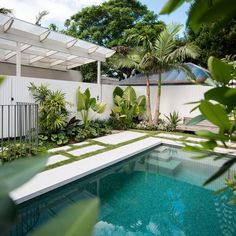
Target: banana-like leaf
(221, 171)
(87, 93)
(142, 101)
(14, 174)
(118, 92)
(117, 100)
(81, 100)
(196, 120)
(216, 114)
(8, 213)
(130, 95)
(220, 71)
(91, 103)
(100, 107)
(223, 95)
(212, 136)
(117, 109)
(78, 219)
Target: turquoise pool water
(158, 192)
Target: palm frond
(184, 52)
(165, 42)
(183, 67)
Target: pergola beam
(38, 57)
(93, 49)
(8, 25)
(13, 53)
(56, 63)
(52, 44)
(73, 66)
(71, 43)
(37, 46)
(44, 35)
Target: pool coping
(57, 177)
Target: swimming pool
(158, 192)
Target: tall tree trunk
(157, 111)
(149, 111)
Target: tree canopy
(110, 23)
(211, 43)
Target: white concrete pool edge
(57, 177)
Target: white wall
(18, 89)
(173, 98)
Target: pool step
(164, 167)
(162, 156)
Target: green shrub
(128, 108)
(172, 121)
(97, 128)
(60, 138)
(14, 150)
(53, 113)
(85, 104)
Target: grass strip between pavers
(107, 147)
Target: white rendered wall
(18, 89)
(173, 98)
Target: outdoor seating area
(114, 121)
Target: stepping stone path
(85, 150)
(80, 144)
(55, 159)
(197, 140)
(64, 148)
(169, 136)
(122, 137)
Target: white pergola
(23, 43)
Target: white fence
(173, 98)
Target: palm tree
(168, 56)
(134, 59)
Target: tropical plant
(173, 119)
(86, 103)
(134, 59)
(60, 138)
(127, 106)
(218, 107)
(15, 149)
(39, 92)
(53, 113)
(111, 30)
(168, 56)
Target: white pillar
(18, 60)
(99, 83)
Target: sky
(60, 10)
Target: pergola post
(18, 60)
(99, 83)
